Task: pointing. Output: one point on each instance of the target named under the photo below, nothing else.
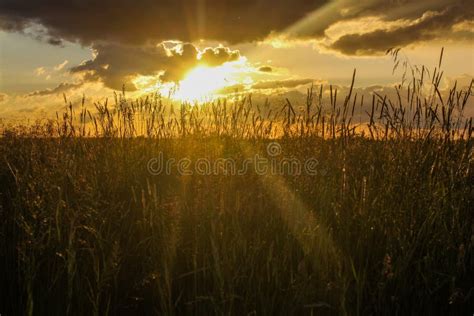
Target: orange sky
(201, 49)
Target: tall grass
(386, 227)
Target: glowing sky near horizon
(216, 47)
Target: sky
(190, 50)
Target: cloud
(370, 27)
(55, 41)
(61, 88)
(44, 104)
(265, 69)
(40, 71)
(464, 26)
(462, 82)
(275, 84)
(48, 72)
(117, 65)
(218, 55)
(139, 22)
(431, 25)
(61, 65)
(237, 88)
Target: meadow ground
(379, 222)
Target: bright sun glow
(201, 83)
(205, 83)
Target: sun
(201, 83)
(204, 83)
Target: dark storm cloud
(137, 22)
(61, 88)
(432, 25)
(117, 65)
(141, 22)
(290, 83)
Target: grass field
(383, 224)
